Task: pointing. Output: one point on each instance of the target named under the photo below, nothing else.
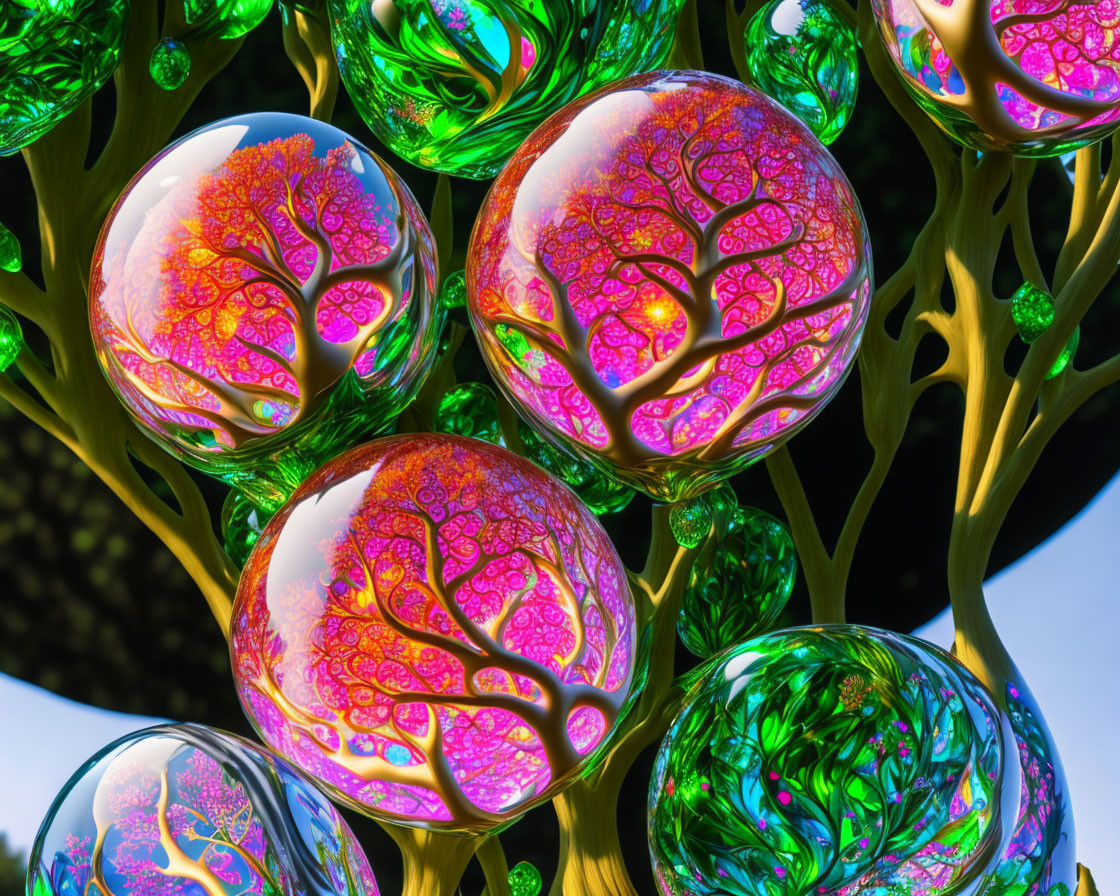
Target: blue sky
(1058, 610)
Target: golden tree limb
(307, 41)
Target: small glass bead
(170, 63)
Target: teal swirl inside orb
(833, 760)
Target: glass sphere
(224, 18)
(53, 55)
(184, 810)
(805, 54)
(670, 278)
(263, 296)
(456, 85)
(1034, 77)
(742, 589)
(170, 63)
(436, 630)
(835, 760)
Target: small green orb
(745, 586)
(1067, 355)
(170, 63)
(11, 338)
(225, 18)
(470, 410)
(524, 880)
(453, 294)
(1032, 309)
(691, 521)
(242, 524)
(11, 256)
(805, 55)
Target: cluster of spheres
(184, 810)
(670, 277)
(1032, 77)
(53, 56)
(436, 630)
(457, 85)
(262, 294)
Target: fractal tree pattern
(1033, 77)
(836, 761)
(670, 278)
(262, 295)
(456, 85)
(53, 56)
(436, 630)
(184, 810)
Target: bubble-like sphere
(1065, 355)
(224, 18)
(670, 278)
(54, 54)
(743, 587)
(11, 338)
(456, 85)
(805, 54)
(835, 760)
(1032, 77)
(263, 296)
(11, 255)
(524, 880)
(691, 521)
(184, 810)
(436, 630)
(170, 63)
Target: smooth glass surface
(185, 810)
(263, 296)
(669, 279)
(456, 85)
(436, 630)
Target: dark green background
(96, 609)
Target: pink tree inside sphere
(670, 277)
(436, 630)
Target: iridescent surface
(524, 880)
(471, 409)
(1032, 309)
(11, 255)
(436, 630)
(1066, 355)
(53, 55)
(11, 338)
(670, 277)
(170, 63)
(453, 292)
(225, 18)
(691, 521)
(1034, 77)
(744, 586)
(262, 296)
(184, 810)
(456, 85)
(805, 54)
(242, 524)
(834, 760)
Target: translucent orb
(805, 54)
(184, 810)
(263, 296)
(691, 521)
(170, 63)
(436, 630)
(241, 523)
(53, 55)
(11, 338)
(524, 880)
(670, 278)
(744, 586)
(1032, 309)
(1034, 77)
(456, 85)
(225, 18)
(835, 760)
(11, 255)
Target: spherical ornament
(262, 296)
(11, 256)
(834, 760)
(224, 18)
(470, 410)
(1032, 309)
(691, 521)
(456, 85)
(453, 293)
(436, 630)
(170, 63)
(670, 278)
(184, 810)
(1026, 76)
(242, 524)
(1066, 355)
(743, 587)
(53, 55)
(805, 54)
(11, 338)
(524, 880)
